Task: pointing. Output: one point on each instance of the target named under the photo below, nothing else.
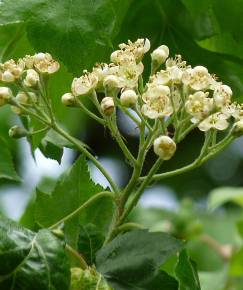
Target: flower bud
(16, 110)
(164, 147)
(31, 78)
(238, 128)
(5, 95)
(107, 106)
(17, 132)
(160, 54)
(25, 98)
(111, 82)
(8, 77)
(128, 98)
(69, 100)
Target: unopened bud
(16, 110)
(160, 54)
(25, 98)
(164, 147)
(111, 82)
(5, 95)
(31, 78)
(69, 100)
(107, 106)
(128, 98)
(8, 77)
(238, 128)
(17, 132)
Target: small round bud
(160, 54)
(31, 78)
(17, 132)
(128, 98)
(8, 77)
(111, 81)
(69, 100)
(5, 95)
(16, 110)
(22, 98)
(25, 98)
(238, 128)
(164, 147)
(107, 106)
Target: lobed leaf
(73, 189)
(131, 261)
(7, 170)
(31, 261)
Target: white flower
(107, 106)
(160, 54)
(197, 78)
(111, 81)
(5, 95)
(44, 63)
(222, 95)
(157, 102)
(129, 75)
(164, 147)
(128, 98)
(137, 48)
(11, 70)
(32, 78)
(233, 110)
(85, 84)
(199, 105)
(216, 121)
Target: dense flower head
(175, 92)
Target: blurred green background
(206, 32)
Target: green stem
(116, 134)
(83, 206)
(141, 188)
(198, 162)
(79, 257)
(89, 113)
(129, 226)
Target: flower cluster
(176, 94)
(25, 76)
(174, 91)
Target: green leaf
(222, 195)
(186, 273)
(90, 240)
(236, 265)
(7, 170)
(213, 280)
(132, 260)
(30, 261)
(77, 32)
(72, 189)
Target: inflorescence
(175, 94)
